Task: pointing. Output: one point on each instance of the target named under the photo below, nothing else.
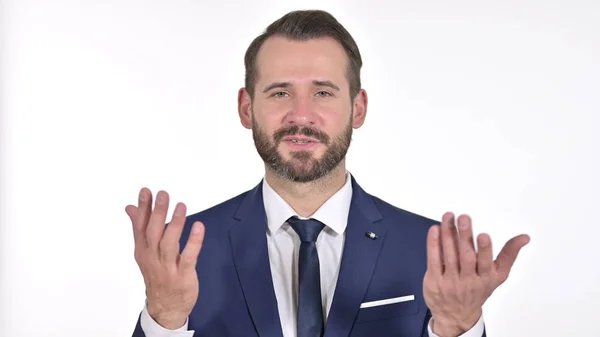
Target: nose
(302, 112)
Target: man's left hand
(459, 280)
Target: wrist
(447, 330)
(166, 319)
(451, 327)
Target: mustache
(304, 131)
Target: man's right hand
(170, 277)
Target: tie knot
(308, 230)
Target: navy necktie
(310, 308)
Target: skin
(302, 89)
(460, 279)
(324, 107)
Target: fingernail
(464, 225)
(178, 210)
(196, 229)
(435, 232)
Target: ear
(360, 108)
(245, 108)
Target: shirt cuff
(476, 331)
(152, 329)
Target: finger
(434, 251)
(189, 256)
(156, 224)
(485, 255)
(169, 244)
(138, 234)
(468, 257)
(139, 216)
(131, 213)
(450, 245)
(507, 256)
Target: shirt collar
(333, 213)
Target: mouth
(300, 140)
(300, 143)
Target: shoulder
(217, 221)
(392, 215)
(403, 221)
(389, 210)
(221, 213)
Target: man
(308, 252)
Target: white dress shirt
(283, 247)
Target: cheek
(269, 111)
(335, 120)
(266, 124)
(331, 116)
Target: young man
(308, 252)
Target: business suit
(236, 289)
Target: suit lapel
(358, 262)
(251, 259)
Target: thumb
(131, 212)
(507, 256)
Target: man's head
(303, 95)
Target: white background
(482, 107)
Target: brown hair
(302, 26)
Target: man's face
(302, 112)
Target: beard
(303, 166)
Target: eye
(323, 93)
(280, 94)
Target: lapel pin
(371, 235)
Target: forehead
(281, 59)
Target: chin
(303, 156)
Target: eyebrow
(288, 84)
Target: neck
(306, 198)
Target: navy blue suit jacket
(237, 298)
